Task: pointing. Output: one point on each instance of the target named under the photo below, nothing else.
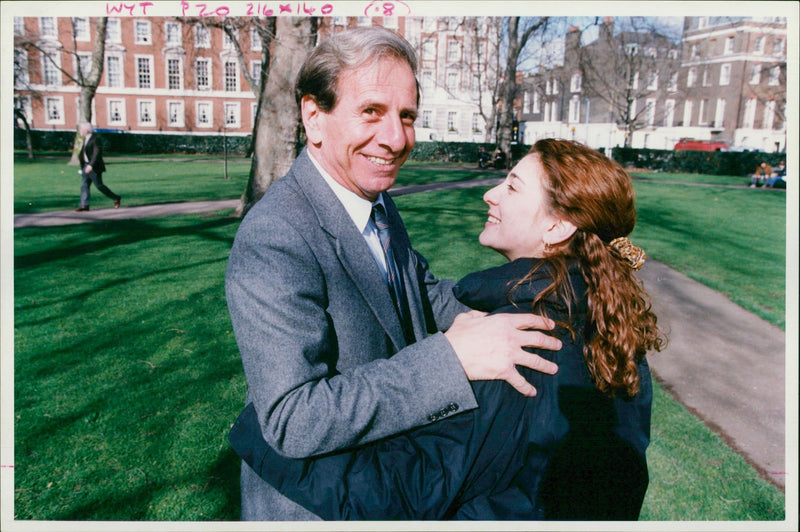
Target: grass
(127, 375)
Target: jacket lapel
(352, 250)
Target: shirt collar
(358, 208)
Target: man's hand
(489, 347)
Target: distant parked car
(701, 145)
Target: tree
(622, 69)
(516, 43)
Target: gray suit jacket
(326, 363)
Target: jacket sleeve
(279, 301)
(425, 473)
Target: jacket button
(453, 407)
(433, 417)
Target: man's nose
(392, 133)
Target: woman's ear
(560, 231)
(311, 115)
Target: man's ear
(312, 117)
(560, 231)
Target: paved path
(726, 365)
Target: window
(476, 83)
(202, 73)
(575, 82)
(83, 64)
(635, 81)
(48, 28)
(650, 111)
(673, 83)
(725, 74)
(54, 109)
(672, 54)
(548, 87)
(669, 113)
(427, 79)
(774, 76)
(555, 86)
(51, 64)
(755, 75)
(146, 114)
(255, 39)
(426, 118)
(453, 50)
(255, 70)
(227, 41)
(80, 29)
(695, 51)
(452, 81)
(758, 47)
(575, 109)
(706, 78)
(203, 116)
(19, 26)
(231, 76)
(451, 121)
(233, 114)
(702, 117)
(632, 49)
(769, 115)
(749, 113)
(21, 73)
(526, 102)
(142, 32)
(554, 111)
(340, 21)
(777, 48)
(536, 102)
(687, 113)
(632, 110)
(651, 52)
(172, 31)
(23, 104)
(652, 80)
(113, 71)
(116, 112)
(476, 122)
(113, 30)
(365, 21)
(175, 113)
(729, 45)
(719, 114)
(174, 73)
(480, 52)
(428, 50)
(253, 113)
(143, 72)
(202, 37)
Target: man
(92, 168)
(338, 328)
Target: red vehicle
(701, 145)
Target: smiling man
(338, 320)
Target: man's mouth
(493, 220)
(380, 161)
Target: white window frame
(453, 50)
(113, 30)
(719, 113)
(537, 103)
(669, 113)
(141, 119)
(122, 121)
(173, 29)
(169, 76)
(755, 74)
(81, 29)
(226, 75)
(84, 61)
(724, 74)
(234, 110)
(180, 115)
(691, 77)
(146, 36)
(576, 82)
(139, 72)
(58, 103)
(255, 40)
(23, 103)
(255, 69)
(22, 78)
(108, 71)
(48, 28)
(769, 115)
(687, 113)
(427, 80)
(19, 26)
(778, 47)
(206, 61)
(652, 80)
(673, 82)
(427, 118)
(197, 106)
(749, 117)
(729, 42)
(706, 77)
(253, 113)
(758, 46)
(429, 50)
(476, 123)
(774, 76)
(227, 41)
(452, 121)
(202, 36)
(452, 81)
(51, 64)
(574, 109)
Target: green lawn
(127, 376)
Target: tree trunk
(28, 141)
(278, 122)
(88, 83)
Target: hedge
(696, 162)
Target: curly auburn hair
(595, 193)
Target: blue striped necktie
(393, 278)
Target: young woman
(577, 449)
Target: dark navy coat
(568, 453)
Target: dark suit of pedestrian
(323, 349)
(91, 154)
(569, 453)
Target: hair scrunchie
(631, 253)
